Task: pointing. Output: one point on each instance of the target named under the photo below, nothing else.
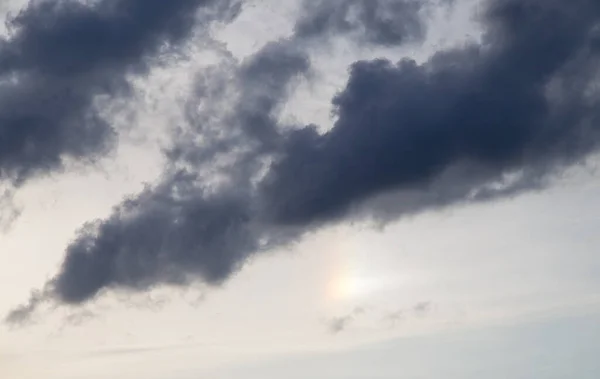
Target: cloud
(423, 308)
(473, 123)
(381, 22)
(189, 227)
(21, 314)
(419, 310)
(79, 318)
(339, 324)
(60, 57)
(393, 317)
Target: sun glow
(351, 276)
(347, 285)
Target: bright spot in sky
(348, 286)
(357, 272)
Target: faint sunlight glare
(358, 271)
(347, 286)
(351, 276)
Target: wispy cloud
(339, 324)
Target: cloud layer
(472, 123)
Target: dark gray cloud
(164, 236)
(59, 56)
(380, 22)
(188, 227)
(470, 124)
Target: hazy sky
(335, 189)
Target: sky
(335, 189)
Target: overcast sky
(335, 189)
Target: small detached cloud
(339, 324)
(394, 317)
(418, 311)
(422, 309)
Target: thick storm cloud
(473, 123)
(59, 56)
(518, 106)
